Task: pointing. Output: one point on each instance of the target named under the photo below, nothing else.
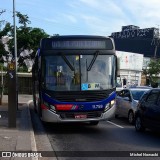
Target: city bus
(74, 79)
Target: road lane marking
(115, 124)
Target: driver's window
(126, 94)
(121, 93)
(152, 98)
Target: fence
(24, 82)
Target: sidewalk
(20, 138)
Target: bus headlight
(53, 108)
(109, 105)
(50, 106)
(46, 104)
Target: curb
(33, 142)
(26, 139)
(26, 132)
(42, 140)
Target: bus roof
(78, 37)
(77, 42)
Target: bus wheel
(94, 123)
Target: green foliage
(2, 51)
(153, 70)
(6, 30)
(23, 19)
(23, 69)
(27, 37)
(2, 67)
(36, 35)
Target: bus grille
(71, 115)
(89, 96)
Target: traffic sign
(11, 66)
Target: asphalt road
(85, 142)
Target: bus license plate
(80, 116)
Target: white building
(131, 65)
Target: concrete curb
(33, 142)
(42, 140)
(26, 132)
(26, 140)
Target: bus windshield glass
(71, 73)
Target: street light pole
(15, 52)
(15, 35)
(12, 81)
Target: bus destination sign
(79, 44)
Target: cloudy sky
(97, 17)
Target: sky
(85, 17)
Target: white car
(126, 102)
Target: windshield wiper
(93, 60)
(67, 62)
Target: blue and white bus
(74, 79)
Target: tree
(28, 38)
(153, 71)
(3, 32)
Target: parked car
(148, 111)
(126, 102)
(143, 87)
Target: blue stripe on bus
(98, 105)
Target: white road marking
(115, 124)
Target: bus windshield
(71, 73)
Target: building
(135, 47)
(130, 67)
(133, 39)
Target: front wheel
(131, 117)
(138, 124)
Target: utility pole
(12, 81)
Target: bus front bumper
(49, 116)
